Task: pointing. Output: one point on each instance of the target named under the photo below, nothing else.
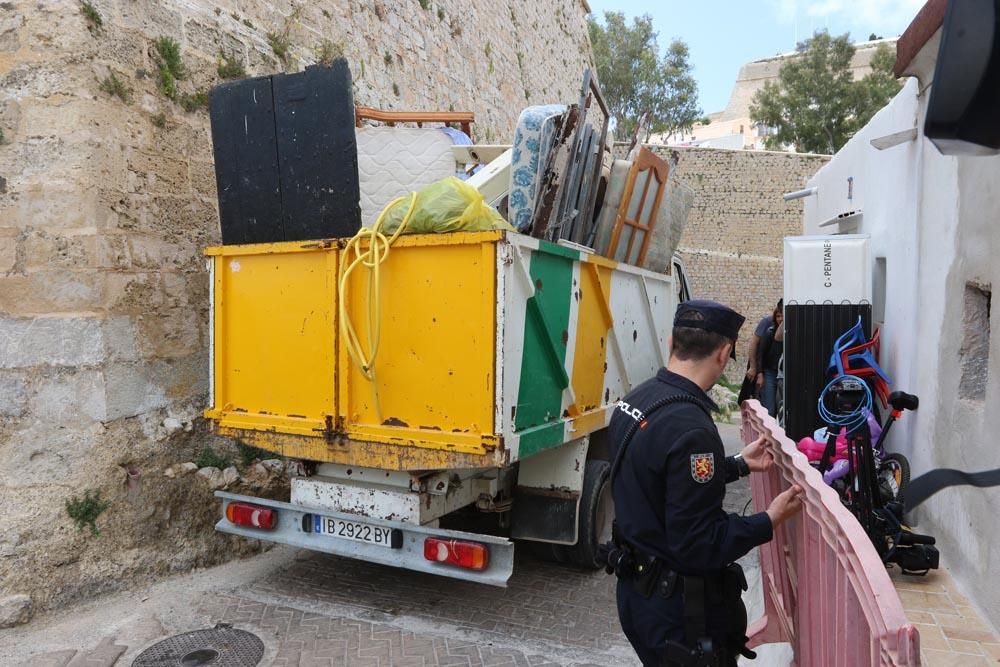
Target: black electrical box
(810, 332)
(286, 156)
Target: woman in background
(772, 346)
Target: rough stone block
(180, 470)
(8, 252)
(172, 425)
(120, 339)
(134, 293)
(213, 477)
(170, 333)
(151, 18)
(50, 160)
(45, 203)
(203, 180)
(230, 476)
(156, 172)
(133, 389)
(9, 543)
(175, 288)
(68, 398)
(10, 27)
(51, 291)
(152, 252)
(35, 457)
(15, 610)
(139, 388)
(44, 119)
(13, 394)
(43, 250)
(210, 39)
(273, 466)
(183, 219)
(111, 252)
(52, 341)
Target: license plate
(358, 531)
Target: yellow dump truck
(499, 360)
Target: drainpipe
(801, 194)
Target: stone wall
(753, 75)
(732, 246)
(107, 197)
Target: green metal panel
(546, 336)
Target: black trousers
(650, 623)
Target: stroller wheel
(894, 475)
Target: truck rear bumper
(409, 555)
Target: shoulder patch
(702, 467)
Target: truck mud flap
(544, 515)
(406, 551)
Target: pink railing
(826, 591)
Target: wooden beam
(921, 29)
(463, 118)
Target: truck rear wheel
(597, 511)
(553, 553)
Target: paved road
(314, 609)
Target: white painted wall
(936, 221)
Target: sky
(724, 34)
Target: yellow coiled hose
(370, 248)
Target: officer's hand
(785, 505)
(758, 455)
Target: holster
(734, 583)
(645, 573)
(721, 591)
(679, 655)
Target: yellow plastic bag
(449, 205)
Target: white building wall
(936, 222)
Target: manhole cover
(221, 646)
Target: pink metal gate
(825, 588)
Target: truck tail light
(468, 555)
(251, 516)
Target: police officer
(679, 590)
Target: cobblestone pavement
(314, 609)
(329, 611)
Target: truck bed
(494, 347)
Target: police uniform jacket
(669, 488)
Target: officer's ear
(722, 354)
(670, 346)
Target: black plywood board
(317, 147)
(246, 161)
(810, 332)
(286, 156)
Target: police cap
(710, 316)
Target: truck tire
(552, 553)
(597, 511)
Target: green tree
(879, 86)
(816, 106)
(635, 79)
